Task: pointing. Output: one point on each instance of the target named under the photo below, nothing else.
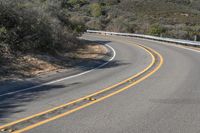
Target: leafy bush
(3, 34)
(112, 2)
(95, 9)
(35, 26)
(94, 24)
(73, 3)
(194, 31)
(156, 30)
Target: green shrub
(112, 2)
(156, 30)
(194, 31)
(2, 30)
(95, 9)
(73, 3)
(37, 27)
(76, 2)
(3, 34)
(94, 24)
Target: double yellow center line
(36, 120)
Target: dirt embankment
(30, 65)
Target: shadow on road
(9, 104)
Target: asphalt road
(166, 102)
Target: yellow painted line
(72, 102)
(98, 100)
(71, 111)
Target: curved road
(166, 102)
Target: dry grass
(30, 65)
(94, 51)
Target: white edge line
(62, 79)
(175, 45)
(183, 47)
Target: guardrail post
(195, 38)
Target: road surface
(167, 100)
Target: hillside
(36, 36)
(169, 18)
(41, 30)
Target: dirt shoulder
(32, 65)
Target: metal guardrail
(178, 41)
